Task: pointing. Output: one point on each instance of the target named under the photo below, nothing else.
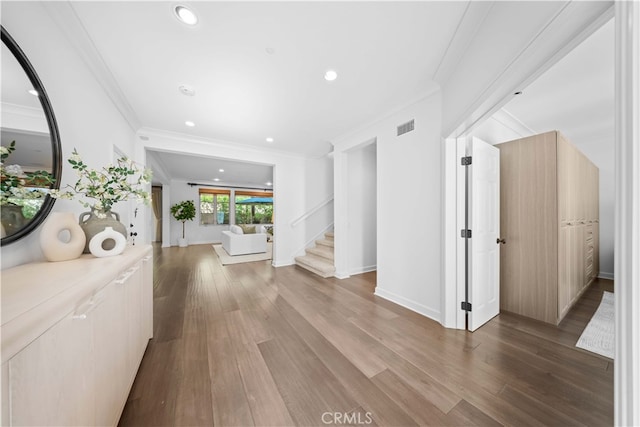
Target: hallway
(249, 344)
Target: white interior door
(484, 220)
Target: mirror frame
(56, 148)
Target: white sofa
(243, 244)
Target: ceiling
(207, 170)
(575, 96)
(257, 68)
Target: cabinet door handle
(88, 308)
(125, 276)
(499, 240)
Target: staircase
(319, 259)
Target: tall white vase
(54, 246)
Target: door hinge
(466, 306)
(465, 161)
(465, 234)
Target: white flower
(15, 170)
(109, 184)
(4, 150)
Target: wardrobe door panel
(564, 154)
(564, 271)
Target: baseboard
(341, 275)
(605, 275)
(199, 242)
(409, 304)
(361, 270)
(277, 264)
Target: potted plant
(107, 186)
(183, 212)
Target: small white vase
(96, 244)
(53, 246)
(182, 242)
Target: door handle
(499, 240)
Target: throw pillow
(248, 229)
(236, 230)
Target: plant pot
(12, 218)
(182, 242)
(95, 222)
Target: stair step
(325, 242)
(317, 265)
(328, 235)
(322, 252)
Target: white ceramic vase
(61, 238)
(114, 240)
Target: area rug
(227, 259)
(598, 336)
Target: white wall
(300, 184)
(87, 119)
(362, 209)
(409, 205)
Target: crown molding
(147, 132)
(508, 120)
(339, 140)
(66, 18)
(546, 48)
(470, 22)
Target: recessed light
(216, 179)
(269, 183)
(186, 15)
(189, 123)
(269, 139)
(33, 92)
(220, 170)
(330, 75)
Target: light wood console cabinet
(550, 221)
(73, 336)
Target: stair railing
(312, 211)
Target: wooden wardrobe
(549, 218)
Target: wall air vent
(405, 127)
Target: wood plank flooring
(249, 344)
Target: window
(214, 206)
(254, 207)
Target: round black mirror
(31, 151)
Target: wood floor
(249, 344)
